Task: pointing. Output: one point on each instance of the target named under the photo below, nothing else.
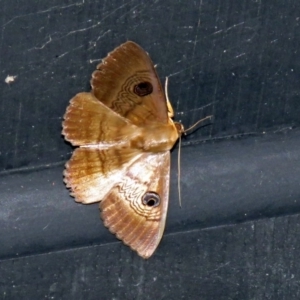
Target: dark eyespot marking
(143, 89)
(151, 199)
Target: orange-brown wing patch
(88, 122)
(92, 173)
(126, 82)
(136, 208)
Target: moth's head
(179, 127)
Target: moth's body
(156, 138)
(125, 133)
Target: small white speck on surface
(9, 79)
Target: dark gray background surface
(236, 60)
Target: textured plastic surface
(222, 183)
(255, 260)
(237, 60)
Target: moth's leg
(169, 106)
(170, 109)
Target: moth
(123, 130)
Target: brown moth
(124, 133)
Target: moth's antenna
(169, 106)
(179, 151)
(198, 122)
(166, 89)
(171, 115)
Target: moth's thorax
(157, 137)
